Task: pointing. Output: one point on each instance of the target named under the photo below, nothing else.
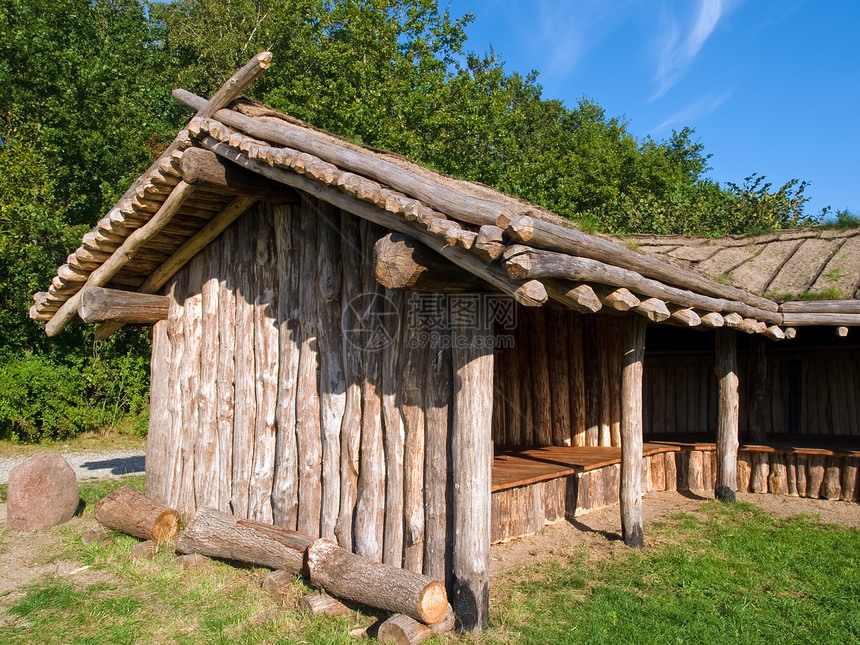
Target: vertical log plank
(802, 484)
(512, 375)
(760, 471)
(791, 474)
(559, 373)
(416, 349)
(158, 432)
(758, 390)
(849, 479)
(604, 344)
(206, 482)
(471, 450)
(727, 430)
(245, 398)
(671, 467)
(370, 505)
(541, 391)
(393, 444)
(266, 349)
(350, 432)
(190, 375)
(591, 362)
(614, 351)
(438, 489)
(226, 365)
(308, 436)
(777, 483)
(744, 471)
(831, 487)
(577, 380)
(175, 333)
(285, 493)
(633, 348)
(332, 380)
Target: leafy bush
(41, 399)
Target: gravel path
(89, 465)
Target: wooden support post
(727, 425)
(472, 456)
(633, 351)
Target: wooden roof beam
(456, 203)
(530, 293)
(121, 256)
(184, 253)
(551, 237)
(527, 262)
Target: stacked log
(128, 511)
(326, 565)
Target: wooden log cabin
(350, 345)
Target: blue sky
(770, 86)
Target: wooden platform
(785, 444)
(512, 468)
(539, 486)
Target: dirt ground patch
(26, 558)
(598, 533)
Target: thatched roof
(515, 247)
(786, 265)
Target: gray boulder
(43, 492)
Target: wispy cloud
(559, 34)
(679, 47)
(696, 110)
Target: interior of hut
(557, 411)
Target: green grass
(728, 574)
(735, 576)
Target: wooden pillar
(471, 452)
(727, 426)
(633, 351)
(758, 390)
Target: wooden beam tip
(264, 59)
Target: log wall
(558, 380)
(276, 397)
(806, 392)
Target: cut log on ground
(144, 550)
(349, 576)
(113, 305)
(403, 630)
(280, 584)
(219, 535)
(447, 624)
(320, 604)
(128, 511)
